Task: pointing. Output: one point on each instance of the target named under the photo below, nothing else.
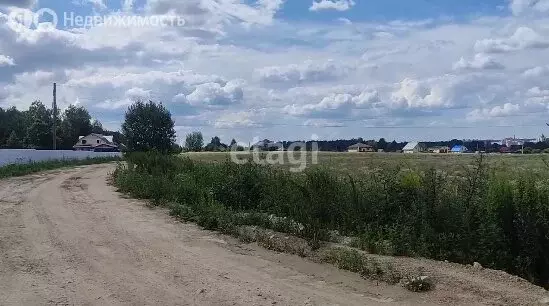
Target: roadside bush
(475, 215)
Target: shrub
(476, 214)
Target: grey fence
(8, 156)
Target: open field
(363, 162)
(462, 208)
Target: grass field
(491, 209)
(345, 163)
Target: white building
(512, 141)
(360, 147)
(413, 147)
(96, 143)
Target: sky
(288, 69)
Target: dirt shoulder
(67, 238)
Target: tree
(215, 145)
(76, 122)
(97, 127)
(233, 143)
(382, 144)
(392, 147)
(13, 141)
(194, 142)
(176, 148)
(39, 131)
(216, 141)
(148, 126)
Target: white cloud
(236, 59)
(17, 3)
(519, 7)
(235, 119)
(205, 18)
(136, 93)
(417, 94)
(479, 62)
(536, 72)
(334, 104)
(537, 92)
(505, 110)
(6, 61)
(216, 94)
(339, 5)
(322, 123)
(309, 71)
(537, 99)
(97, 4)
(523, 38)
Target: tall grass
(500, 219)
(33, 167)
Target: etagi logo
(296, 156)
(31, 19)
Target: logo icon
(29, 19)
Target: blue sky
(387, 10)
(365, 10)
(294, 69)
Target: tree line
(149, 126)
(33, 128)
(195, 143)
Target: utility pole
(54, 132)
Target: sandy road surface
(66, 238)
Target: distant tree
(76, 121)
(3, 130)
(233, 143)
(148, 126)
(97, 127)
(176, 148)
(455, 142)
(392, 147)
(215, 145)
(381, 144)
(39, 131)
(13, 141)
(194, 142)
(216, 141)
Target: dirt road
(67, 238)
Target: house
(267, 145)
(360, 147)
(438, 150)
(513, 141)
(413, 147)
(459, 149)
(96, 143)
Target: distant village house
(459, 149)
(96, 143)
(267, 145)
(414, 147)
(360, 147)
(438, 150)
